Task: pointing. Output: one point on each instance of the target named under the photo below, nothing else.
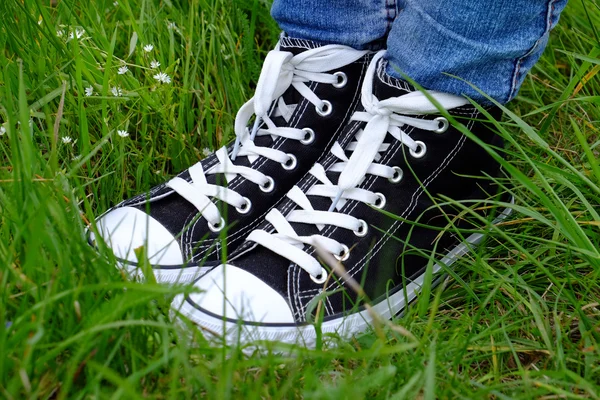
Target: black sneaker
(305, 95)
(400, 156)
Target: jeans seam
(519, 62)
(390, 14)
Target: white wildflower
(148, 48)
(60, 33)
(158, 172)
(79, 33)
(154, 64)
(162, 77)
(2, 130)
(206, 152)
(115, 3)
(123, 70)
(116, 91)
(67, 139)
(171, 25)
(89, 91)
(122, 133)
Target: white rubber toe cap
(245, 297)
(125, 229)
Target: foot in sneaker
(304, 97)
(399, 155)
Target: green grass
(519, 319)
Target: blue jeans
(491, 44)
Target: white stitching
(342, 125)
(383, 240)
(330, 158)
(240, 180)
(430, 179)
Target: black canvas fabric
(395, 250)
(201, 246)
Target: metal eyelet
(342, 80)
(245, 208)
(443, 125)
(321, 278)
(291, 163)
(380, 202)
(218, 227)
(421, 150)
(309, 137)
(345, 254)
(363, 228)
(398, 175)
(268, 186)
(326, 110)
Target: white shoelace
(281, 70)
(381, 117)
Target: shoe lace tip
(257, 122)
(336, 199)
(236, 149)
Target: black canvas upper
(202, 246)
(395, 250)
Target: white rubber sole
(305, 335)
(162, 275)
(166, 276)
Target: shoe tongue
(297, 46)
(294, 46)
(291, 96)
(386, 86)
